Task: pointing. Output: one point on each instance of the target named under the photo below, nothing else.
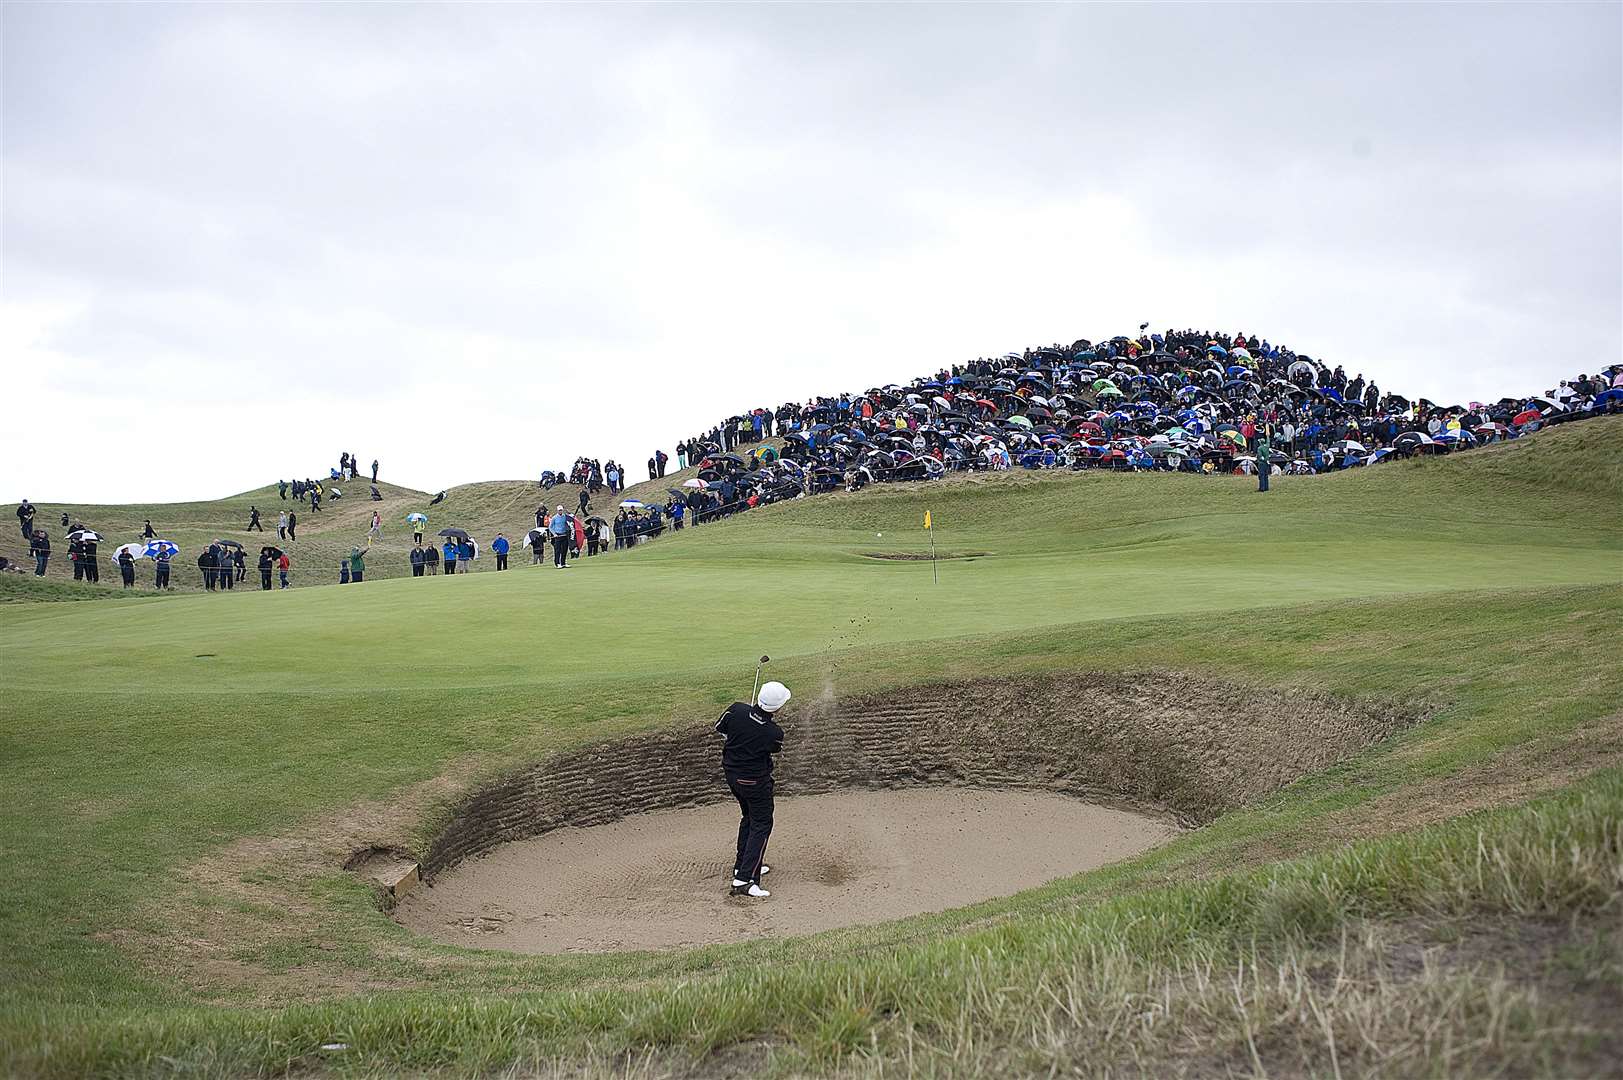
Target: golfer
(752, 737)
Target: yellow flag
(927, 519)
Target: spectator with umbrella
(536, 541)
(126, 565)
(87, 553)
(416, 521)
(453, 547)
(160, 552)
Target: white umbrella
(631, 504)
(417, 519)
(84, 534)
(533, 537)
(137, 551)
(696, 484)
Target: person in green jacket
(357, 564)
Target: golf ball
(879, 534)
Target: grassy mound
(187, 776)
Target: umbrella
(1019, 421)
(696, 484)
(229, 543)
(1411, 439)
(1610, 396)
(137, 551)
(155, 548)
(84, 534)
(533, 537)
(460, 534)
(417, 519)
(631, 504)
(1522, 417)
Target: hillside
(188, 778)
(483, 508)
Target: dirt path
(657, 880)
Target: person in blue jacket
(500, 546)
(561, 532)
(450, 555)
(465, 550)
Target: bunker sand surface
(659, 880)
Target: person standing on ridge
(146, 531)
(25, 518)
(374, 470)
(253, 520)
(752, 736)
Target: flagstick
(934, 576)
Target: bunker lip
(1182, 745)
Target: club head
(764, 659)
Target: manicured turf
(142, 737)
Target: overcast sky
(478, 241)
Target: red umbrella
(1526, 417)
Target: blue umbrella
(1216, 350)
(155, 548)
(1236, 369)
(1608, 398)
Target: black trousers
(560, 551)
(161, 578)
(501, 560)
(754, 824)
(92, 571)
(264, 579)
(416, 569)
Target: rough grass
(183, 776)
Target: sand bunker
(657, 880)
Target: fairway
(188, 775)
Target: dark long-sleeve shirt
(752, 738)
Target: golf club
(756, 688)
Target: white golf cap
(774, 695)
